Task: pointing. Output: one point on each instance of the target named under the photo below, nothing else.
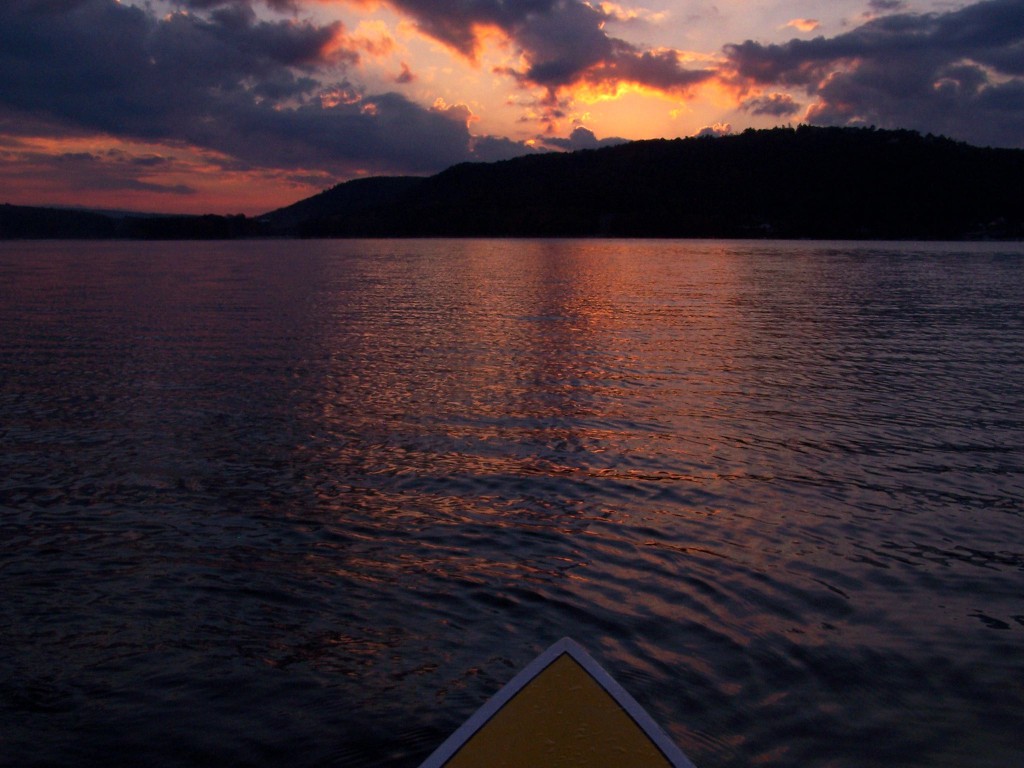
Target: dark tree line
(31, 223)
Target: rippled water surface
(311, 503)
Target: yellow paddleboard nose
(562, 711)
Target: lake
(310, 503)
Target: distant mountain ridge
(21, 222)
(804, 182)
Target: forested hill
(805, 182)
(791, 183)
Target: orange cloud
(616, 12)
(483, 36)
(611, 90)
(373, 37)
(804, 25)
(332, 97)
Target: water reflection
(288, 490)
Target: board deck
(563, 710)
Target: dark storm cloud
(453, 23)
(777, 104)
(564, 42)
(283, 6)
(112, 67)
(661, 70)
(959, 73)
(385, 131)
(221, 79)
(488, 149)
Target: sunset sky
(241, 106)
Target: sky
(243, 106)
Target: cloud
(885, 6)
(405, 76)
(94, 171)
(263, 93)
(633, 16)
(282, 6)
(563, 42)
(777, 104)
(959, 73)
(105, 66)
(714, 131)
(489, 149)
(804, 25)
(580, 138)
(372, 37)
